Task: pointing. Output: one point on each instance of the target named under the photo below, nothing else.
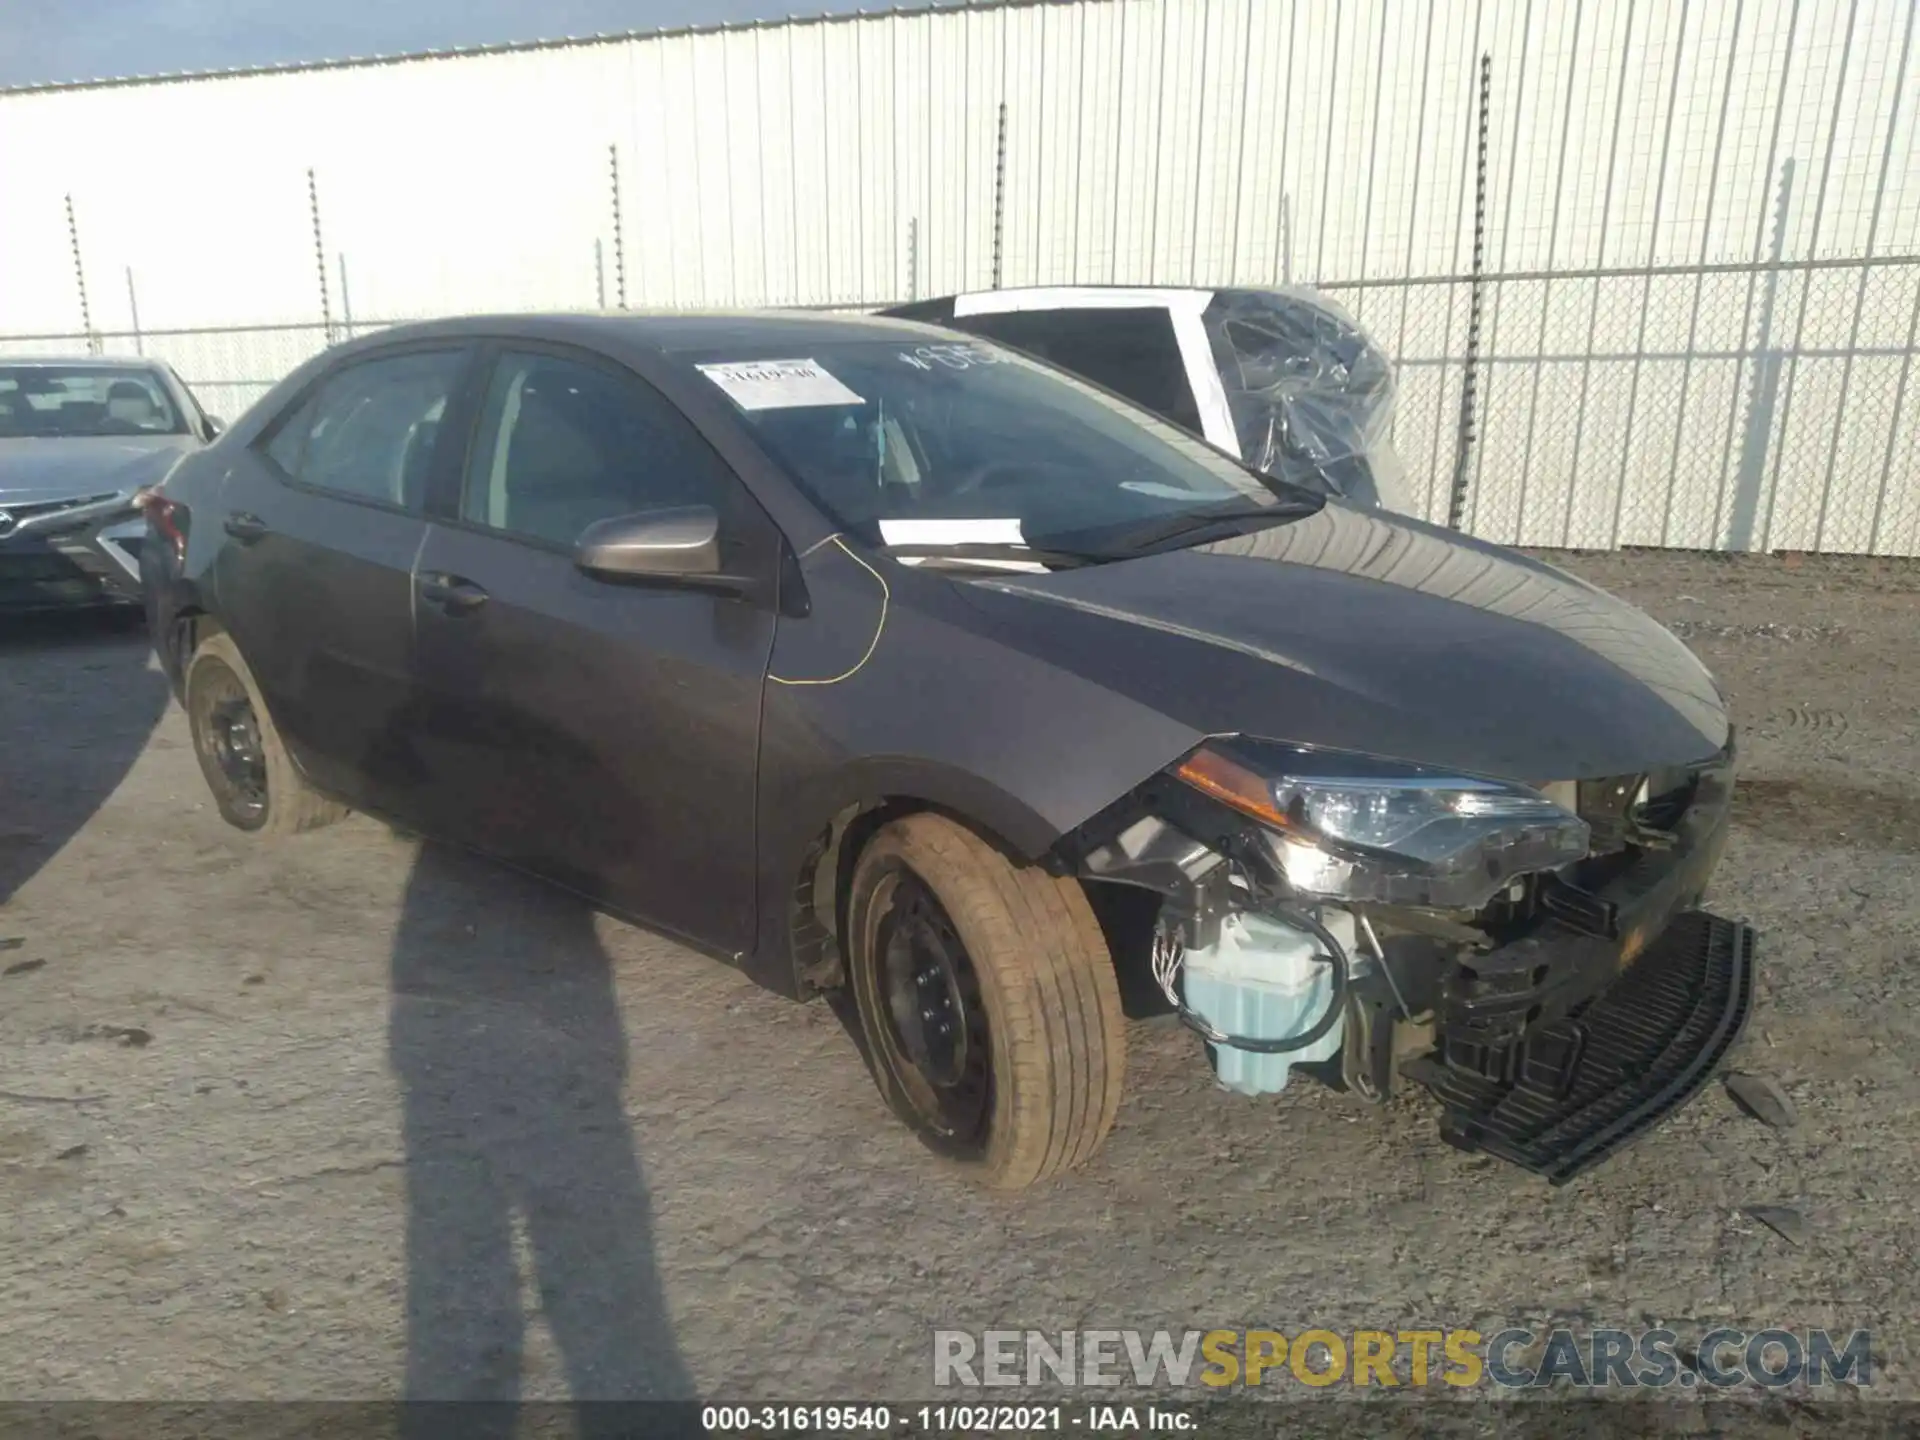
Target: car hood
(1363, 631)
(61, 469)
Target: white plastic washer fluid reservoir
(1264, 980)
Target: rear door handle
(451, 593)
(245, 527)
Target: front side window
(878, 432)
(562, 444)
(369, 431)
(53, 402)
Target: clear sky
(52, 40)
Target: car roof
(80, 362)
(668, 331)
(1072, 297)
(1066, 292)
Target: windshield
(905, 441)
(51, 402)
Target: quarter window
(562, 444)
(370, 430)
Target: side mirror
(215, 425)
(676, 546)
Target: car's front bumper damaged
(1554, 1024)
(1565, 1095)
(1559, 1047)
(79, 551)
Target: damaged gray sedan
(878, 660)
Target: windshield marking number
(950, 357)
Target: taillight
(168, 519)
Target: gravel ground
(232, 1076)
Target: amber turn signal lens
(1231, 783)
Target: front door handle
(245, 527)
(451, 593)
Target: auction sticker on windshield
(779, 384)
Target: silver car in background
(80, 438)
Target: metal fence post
(1286, 238)
(913, 258)
(619, 243)
(599, 274)
(1860, 290)
(80, 279)
(1751, 476)
(320, 255)
(346, 302)
(999, 193)
(133, 306)
(1463, 447)
(1894, 431)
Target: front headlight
(1352, 827)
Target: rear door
(324, 517)
(603, 734)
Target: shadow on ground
(1830, 811)
(83, 712)
(507, 1039)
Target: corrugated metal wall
(850, 161)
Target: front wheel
(245, 762)
(988, 1001)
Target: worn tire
(291, 804)
(1046, 983)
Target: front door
(324, 518)
(603, 734)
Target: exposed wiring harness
(1169, 954)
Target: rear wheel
(988, 1001)
(241, 754)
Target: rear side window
(369, 430)
(562, 444)
(1131, 352)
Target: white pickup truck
(1283, 378)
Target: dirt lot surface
(250, 1094)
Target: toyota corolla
(867, 657)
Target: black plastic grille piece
(40, 576)
(1578, 1089)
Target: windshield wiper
(985, 553)
(1192, 528)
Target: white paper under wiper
(924, 532)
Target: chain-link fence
(1651, 271)
(1714, 407)
(227, 369)
(1708, 407)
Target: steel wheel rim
(933, 1018)
(229, 734)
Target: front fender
(893, 687)
(800, 799)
